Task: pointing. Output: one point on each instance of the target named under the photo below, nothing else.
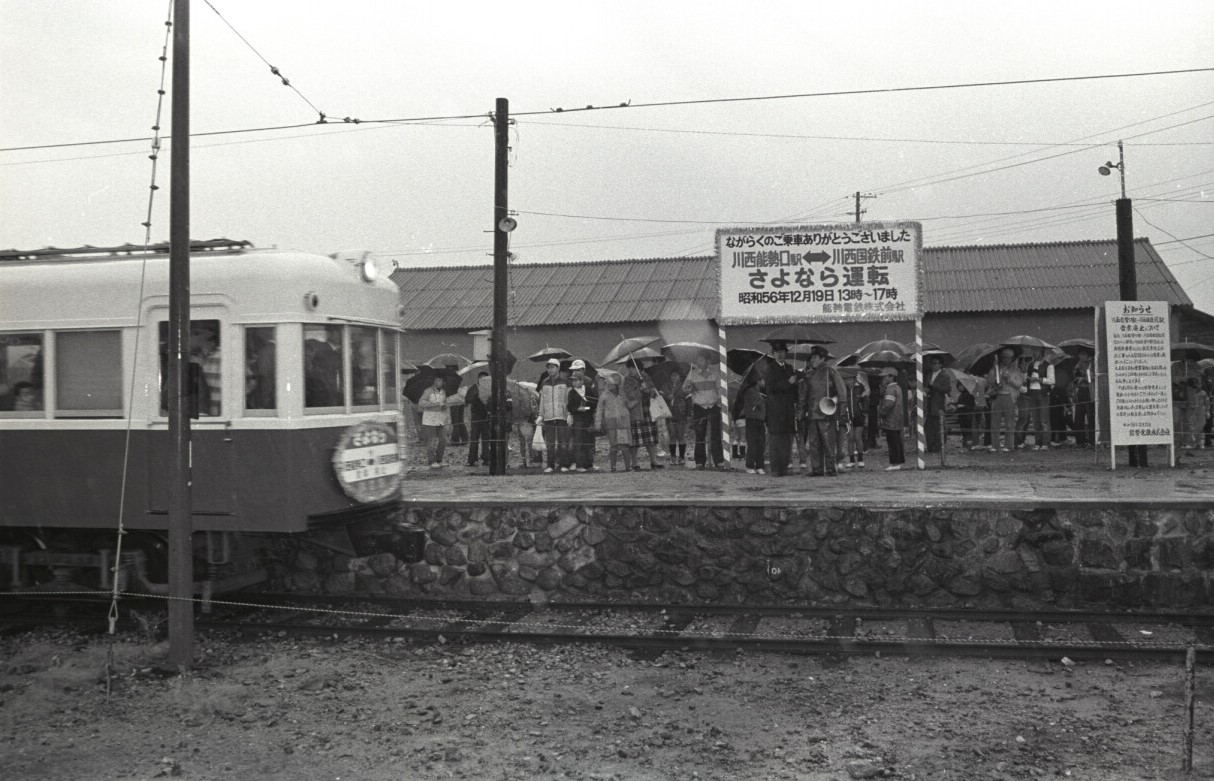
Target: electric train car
(293, 391)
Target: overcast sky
(627, 182)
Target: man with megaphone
(820, 391)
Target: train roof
(100, 286)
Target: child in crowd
(677, 424)
(613, 419)
(891, 418)
(751, 406)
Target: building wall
(593, 341)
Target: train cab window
(387, 365)
(324, 378)
(205, 383)
(21, 373)
(261, 368)
(88, 374)
(364, 375)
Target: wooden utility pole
(860, 211)
(497, 357)
(181, 522)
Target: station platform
(1069, 477)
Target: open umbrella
(448, 359)
(964, 379)
(688, 351)
(740, 359)
(1072, 346)
(611, 375)
(660, 373)
(1026, 343)
(881, 359)
(417, 384)
(643, 354)
(804, 350)
(946, 358)
(1206, 363)
(407, 367)
(474, 368)
(797, 334)
(628, 347)
(1181, 350)
(984, 362)
(549, 352)
(967, 355)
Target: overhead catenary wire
(670, 103)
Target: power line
(1170, 235)
(798, 137)
(670, 103)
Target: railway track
(653, 628)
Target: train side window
(205, 382)
(88, 374)
(364, 375)
(21, 373)
(323, 373)
(261, 368)
(387, 365)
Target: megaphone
(828, 406)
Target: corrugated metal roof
(995, 278)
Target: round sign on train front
(367, 461)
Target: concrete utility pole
(501, 230)
(1127, 269)
(181, 521)
(860, 211)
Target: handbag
(658, 408)
(537, 440)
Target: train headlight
(369, 271)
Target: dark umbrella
(740, 359)
(885, 358)
(1181, 350)
(591, 371)
(660, 372)
(797, 334)
(983, 363)
(946, 358)
(449, 359)
(628, 347)
(417, 384)
(550, 352)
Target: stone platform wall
(940, 557)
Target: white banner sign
(1140, 372)
(820, 273)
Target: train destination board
(820, 273)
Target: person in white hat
(583, 402)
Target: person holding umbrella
(554, 411)
(938, 387)
(638, 390)
(1082, 400)
(1006, 382)
(781, 408)
(703, 384)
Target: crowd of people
(832, 417)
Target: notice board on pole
(820, 273)
(1138, 340)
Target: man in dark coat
(781, 409)
(938, 386)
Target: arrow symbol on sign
(816, 257)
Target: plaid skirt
(644, 431)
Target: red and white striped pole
(920, 412)
(723, 381)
